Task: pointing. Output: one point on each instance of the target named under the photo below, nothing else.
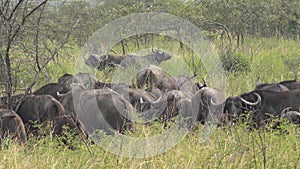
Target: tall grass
(228, 146)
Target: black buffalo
(103, 61)
(179, 82)
(271, 87)
(39, 108)
(67, 79)
(155, 58)
(88, 80)
(52, 89)
(140, 99)
(291, 84)
(292, 116)
(208, 104)
(149, 76)
(67, 99)
(167, 84)
(12, 126)
(177, 102)
(155, 92)
(263, 105)
(280, 87)
(104, 109)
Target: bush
(234, 62)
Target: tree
(26, 45)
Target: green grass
(233, 147)
(269, 59)
(228, 147)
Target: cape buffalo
(140, 99)
(12, 125)
(272, 87)
(263, 104)
(104, 109)
(134, 61)
(291, 84)
(292, 116)
(52, 89)
(167, 84)
(87, 80)
(39, 108)
(155, 92)
(67, 79)
(179, 82)
(208, 105)
(197, 86)
(176, 102)
(149, 75)
(67, 99)
(155, 58)
(103, 61)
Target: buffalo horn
(157, 101)
(141, 100)
(60, 95)
(250, 103)
(284, 111)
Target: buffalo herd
(85, 104)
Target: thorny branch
(53, 54)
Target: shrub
(234, 62)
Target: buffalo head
(235, 106)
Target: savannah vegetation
(41, 40)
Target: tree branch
(14, 9)
(53, 54)
(220, 25)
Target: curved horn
(157, 101)
(284, 111)
(60, 95)
(250, 103)
(141, 100)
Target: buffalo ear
(204, 83)
(258, 80)
(154, 50)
